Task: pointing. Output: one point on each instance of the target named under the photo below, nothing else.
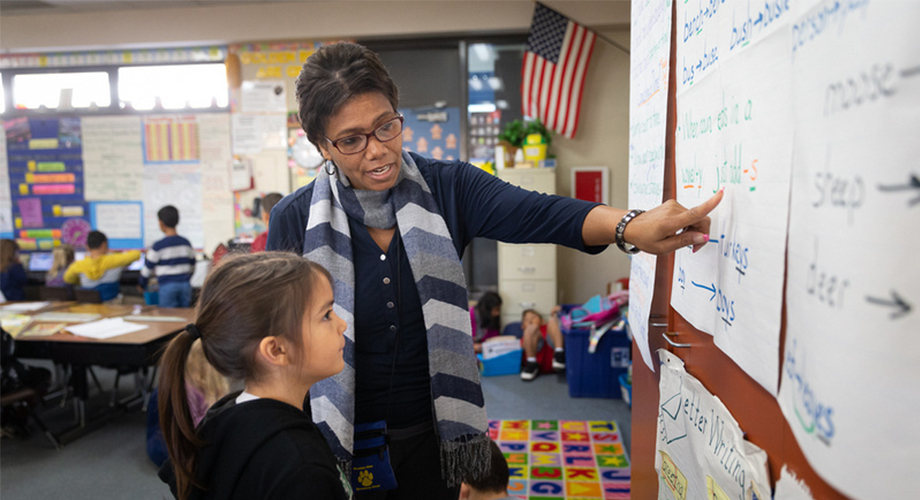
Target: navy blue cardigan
(388, 311)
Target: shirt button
(383, 257)
(386, 281)
(392, 328)
(390, 305)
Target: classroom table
(139, 349)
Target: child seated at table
(540, 356)
(62, 257)
(266, 319)
(100, 270)
(13, 276)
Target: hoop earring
(329, 167)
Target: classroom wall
(287, 20)
(602, 140)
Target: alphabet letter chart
(734, 132)
(850, 361)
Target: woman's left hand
(670, 226)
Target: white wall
(286, 21)
(602, 140)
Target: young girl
(12, 275)
(266, 319)
(63, 257)
(486, 318)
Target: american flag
(555, 63)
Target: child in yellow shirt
(100, 270)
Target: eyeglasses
(354, 144)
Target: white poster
(789, 487)
(113, 158)
(253, 133)
(650, 42)
(701, 452)
(850, 362)
(179, 186)
(119, 221)
(216, 196)
(263, 96)
(734, 132)
(6, 202)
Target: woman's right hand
(670, 226)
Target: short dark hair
(169, 216)
(331, 77)
(497, 479)
(95, 239)
(269, 201)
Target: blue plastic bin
(506, 364)
(152, 298)
(595, 375)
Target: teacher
(390, 226)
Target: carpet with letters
(563, 459)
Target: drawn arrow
(903, 308)
(711, 288)
(913, 183)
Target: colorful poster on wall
(650, 37)
(45, 170)
(701, 452)
(433, 133)
(171, 139)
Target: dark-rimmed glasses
(354, 144)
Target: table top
(155, 329)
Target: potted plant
(514, 134)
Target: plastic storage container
(595, 375)
(506, 364)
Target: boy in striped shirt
(172, 260)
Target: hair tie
(193, 331)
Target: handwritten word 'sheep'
(837, 191)
(813, 415)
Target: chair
(55, 293)
(87, 296)
(23, 388)
(514, 329)
(25, 399)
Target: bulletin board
(45, 167)
(433, 132)
(69, 175)
(803, 111)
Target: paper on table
(105, 328)
(155, 318)
(66, 316)
(25, 306)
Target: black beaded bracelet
(621, 228)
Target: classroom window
(494, 99)
(61, 90)
(183, 86)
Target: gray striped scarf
(458, 403)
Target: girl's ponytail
(175, 414)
